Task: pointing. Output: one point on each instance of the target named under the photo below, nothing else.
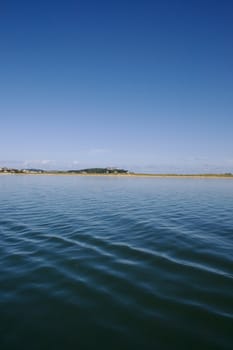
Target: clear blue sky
(145, 85)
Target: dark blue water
(115, 263)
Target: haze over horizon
(143, 85)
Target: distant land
(103, 171)
(100, 171)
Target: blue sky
(145, 85)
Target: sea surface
(115, 263)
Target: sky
(143, 85)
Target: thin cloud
(34, 163)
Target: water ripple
(122, 263)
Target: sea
(115, 262)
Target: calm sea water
(115, 263)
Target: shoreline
(198, 176)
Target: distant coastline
(107, 172)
